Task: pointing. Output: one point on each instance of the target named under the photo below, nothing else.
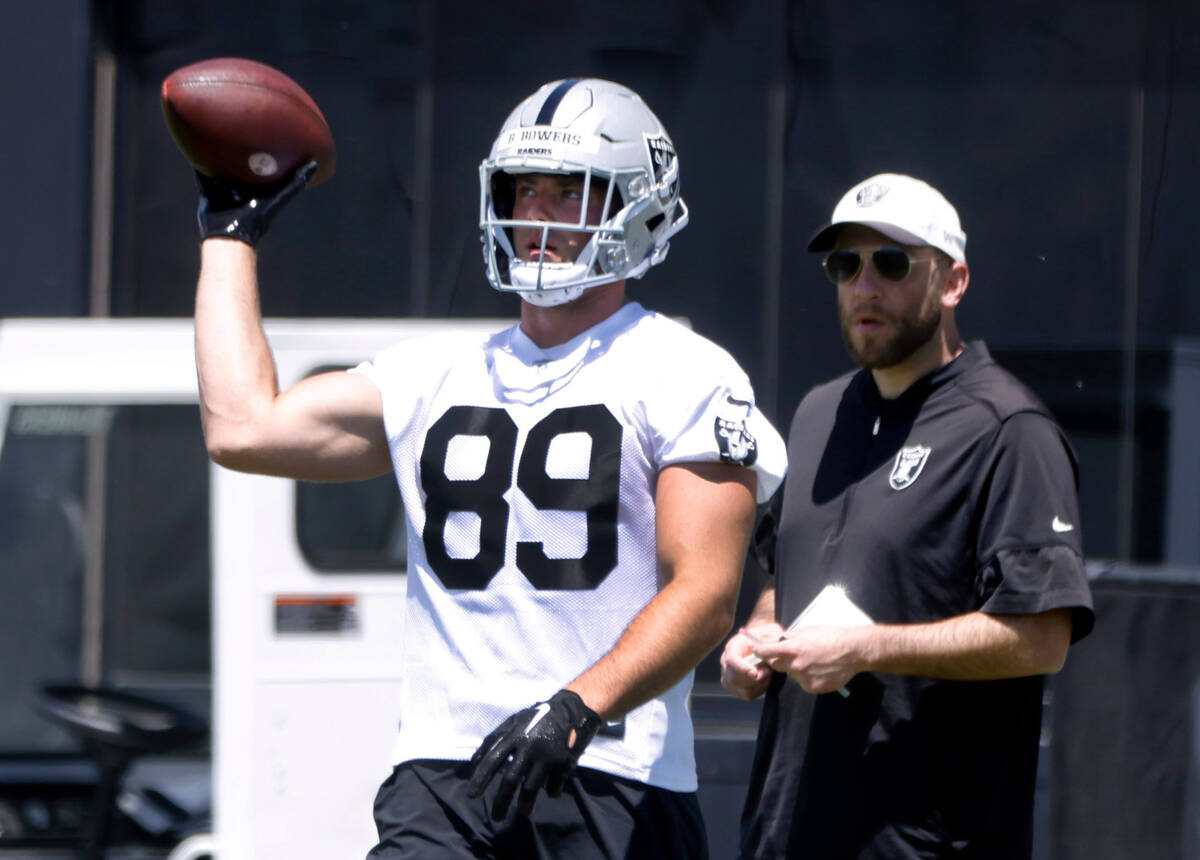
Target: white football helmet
(600, 130)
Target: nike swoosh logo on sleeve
(1059, 526)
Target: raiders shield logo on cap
(871, 194)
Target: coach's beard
(880, 350)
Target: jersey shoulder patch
(735, 443)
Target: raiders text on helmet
(602, 131)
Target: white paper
(831, 608)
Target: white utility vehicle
(115, 525)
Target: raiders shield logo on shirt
(735, 442)
(910, 460)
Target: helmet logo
(663, 161)
(871, 194)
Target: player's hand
(241, 211)
(533, 748)
(742, 672)
(819, 659)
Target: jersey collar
(529, 352)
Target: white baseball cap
(902, 208)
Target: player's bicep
(327, 427)
(705, 513)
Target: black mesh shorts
(422, 812)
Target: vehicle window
(104, 557)
(352, 527)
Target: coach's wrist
(868, 648)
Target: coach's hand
(533, 748)
(241, 211)
(819, 659)
(742, 672)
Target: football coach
(940, 496)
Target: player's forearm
(704, 515)
(975, 646)
(234, 367)
(664, 642)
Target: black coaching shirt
(957, 496)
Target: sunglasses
(892, 264)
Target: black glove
(243, 211)
(533, 748)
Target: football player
(580, 490)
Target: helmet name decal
(540, 140)
(538, 134)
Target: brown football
(240, 119)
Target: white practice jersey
(528, 477)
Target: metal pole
(91, 651)
(91, 646)
(776, 132)
(1126, 477)
(422, 186)
(103, 160)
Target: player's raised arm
(256, 140)
(327, 427)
